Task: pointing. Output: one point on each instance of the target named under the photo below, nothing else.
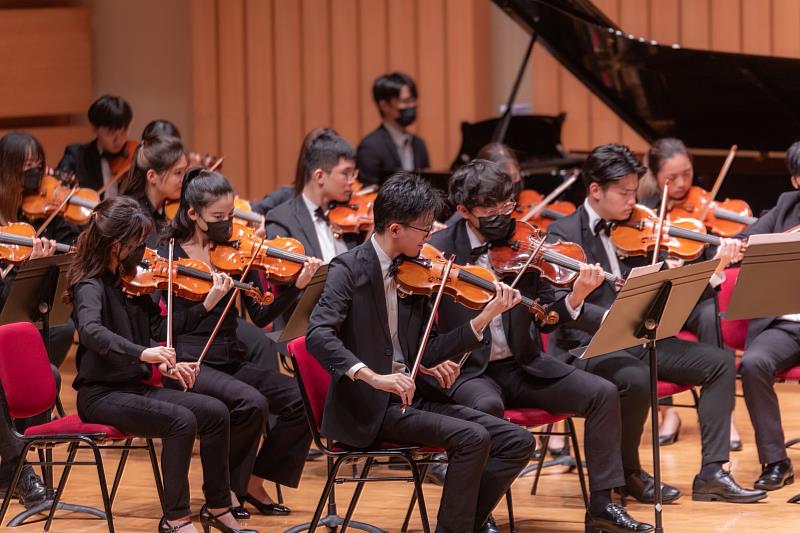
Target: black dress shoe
(240, 513)
(672, 438)
(776, 476)
(436, 474)
(165, 527)
(641, 486)
(614, 519)
(269, 509)
(489, 526)
(31, 490)
(723, 488)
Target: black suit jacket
(84, 161)
(349, 325)
(522, 333)
(785, 215)
(273, 200)
(292, 219)
(377, 157)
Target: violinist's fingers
(227, 282)
(169, 354)
(37, 249)
(186, 374)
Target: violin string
(564, 261)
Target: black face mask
(407, 116)
(496, 228)
(219, 232)
(128, 265)
(33, 177)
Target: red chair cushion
(667, 388)
(316, 380)
(73, 425)
(530, 417)
(792, 374)
(734, 332)
(25, 372)
(155, 377)
(687, 336)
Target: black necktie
(320, 214)
(603, 226)
(478, 251)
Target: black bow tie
(395, 264)
(320, 214)
(479, 250)
(603, 226)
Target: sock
(598, 499)
(709, 470)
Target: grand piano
(710, 100)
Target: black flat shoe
(672, 438)
(269, 509)
(165, 527)
(776, 476)
(240, 513)
(642, 486)
(723, 488)
(614, 519)
(208, 520)
(736, 446)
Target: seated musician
(773, 345)
(360, 320)
(511, 370)
(391, 147)
(669, 161)
(329, 171)
(611, 174)
(110, 117)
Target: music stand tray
(35, 293)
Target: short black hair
(111, 112)
(793, 159)
(403, 198)
(609, 163)
(388, 86)
(325, 152)
(480, 183)
(160, 128)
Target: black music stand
(651, 306)
(769, 266)
(35, 296)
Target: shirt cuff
(717, 279)
(353, 369)
(478, 334)
(574, 313)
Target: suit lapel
(391, 148)
(592, 243)
(373, 268)
(461, 243)
(307, 225)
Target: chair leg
(101, 475)
(510, 504)
(356, 495)
(423, 470)
(792, 442)
(581, 477)
(14, 481)
(151, 451)
(696, 399)
(71, 451)
(423, 510)
(332, 473)
(123, 459)
(545, 441)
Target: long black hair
(15, 148)
(201, 187)
(158, 153)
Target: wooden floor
(556, 508)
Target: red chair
(29, 389)
(314, 382)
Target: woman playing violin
(116, 355)
(204, 218)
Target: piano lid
(707, 99)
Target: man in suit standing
(611, 176)
(773, 345)
(110, 117)
(367, 337)
(511, 369)
(391, 147)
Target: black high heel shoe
(208, 520)
(269, 509)
(672, 438)
(166, 527)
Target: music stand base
(333, 522)
(44, 507)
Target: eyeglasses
(427, 231)
(350, 175)
(505, 209)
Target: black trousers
(775, 349)
(486, 453)
(248, 412)
(176, 417)
(506, 385)
(679, 361)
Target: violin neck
(725, 214)
(487, 285)
(553, 215)
(278, 253)
(684, 233)
(206, 276)
(249, 216)
(573, 264)
(19, 240)
(82, 202)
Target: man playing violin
(773, 345)
(611, 175)
(511, 369)
(367, 337)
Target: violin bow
(662, 215)
(431, 319)
(718, 183)
(55, 213)
(216, 164)
(170, 259)
(228, 305)
(547, 200)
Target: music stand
(639, 314)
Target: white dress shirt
(328, 243)
(112, 190)
(402, 140)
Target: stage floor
(557, 507)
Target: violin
(16, 243)
(684, 238)
(529, 199)
(726, 218)
(74, 204)
(191, 279)
(470, 285)
(355, 215)
(281, 258)
(242, 212)
(121, 164)
(558, 262)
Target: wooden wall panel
(347, 92)
(373, 55)
(54, 139)
(317, 72)
(634, 18)
(757, 26)
(785, 22)
(605, 125)
(432, 83)
(205, 77)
